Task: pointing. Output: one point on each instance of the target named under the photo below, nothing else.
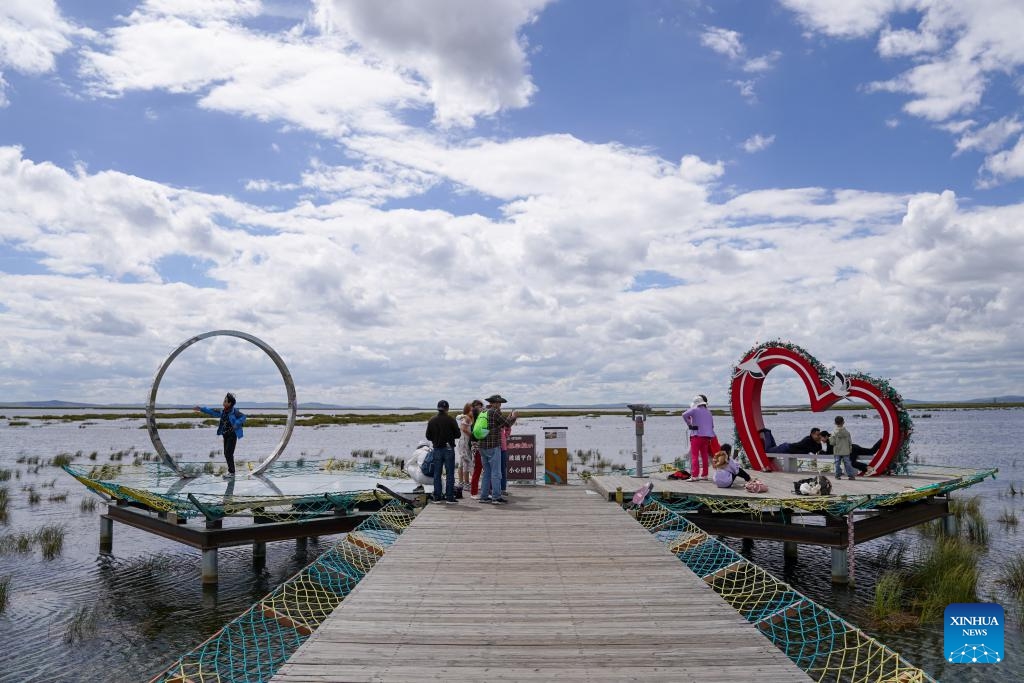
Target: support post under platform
(790, 550)
(106, 535)
(840, 566)
(950, 526)
(209, 566)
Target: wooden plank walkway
(556, 585)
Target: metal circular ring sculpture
(154, 436)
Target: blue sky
(564, 201)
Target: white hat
(699, 400)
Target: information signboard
(522, 457)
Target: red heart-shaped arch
(748, 380)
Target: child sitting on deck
(727, 468)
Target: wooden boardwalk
(557, 585)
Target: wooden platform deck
(779, 484)
(557, 585)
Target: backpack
(481, 426)
(819, 486)
(427, 467)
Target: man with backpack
(487, 430)
(442, 433)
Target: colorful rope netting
(253, 646)
(136, 484)
(822, 644)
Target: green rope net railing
(822, 644)
(253, 646)
(134, 484)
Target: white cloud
(465, 59)
(846, 18)
(269, 77)
(757, 143)
(471, 54)
(960, 48)
(32, 34)
(905, 43)
(730, 44)
(724, 42)
(1005, 165)
(352, 293)
(991, 137)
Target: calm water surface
(150, 608)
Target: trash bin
(556, 455)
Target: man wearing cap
(442, 432)
(490, 450)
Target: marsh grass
(5, 591)
(33, 496)
(51, 540)
(62, 459)
(82, 625)
(87, 505)
(894, 556)
(4, 501)
(1009, 518)
(1011, 575)
(888, 610)
(58, 497)
(362, 452)
(5, 474)
(15, 543)
(948, 574)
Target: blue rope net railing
(825, 646)
(254, 645)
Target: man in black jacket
(442, 432)
(809, 444)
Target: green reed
(51, 540)
(82, 625)
(5, 592)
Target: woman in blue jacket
(230, 427)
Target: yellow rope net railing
(253, 646)
(822, 644)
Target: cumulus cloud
(352, 292)
(464, 59)
(471, 55)
(32, 34)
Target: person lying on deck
(809, 444)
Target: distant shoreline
(308, 417)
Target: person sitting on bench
(807, 445)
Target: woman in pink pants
(701, 426)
